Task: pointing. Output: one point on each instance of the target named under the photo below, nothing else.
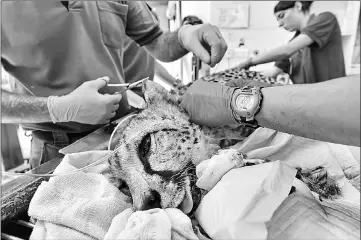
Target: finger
(199, 50)
(113, 98)
(235, 83)
(196, 46)
(106, 121)
(115, 107)
(211, 39)
(223, 45)
(99, 83)
(217, 46)
(253, 83)
(111, 115)
(240, 65)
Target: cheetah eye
(144, 149)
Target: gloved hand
(245, 65)
(205, 41)
(209, 103)
(85, 104)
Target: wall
(261, 20)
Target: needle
(118, 85)
(128, 85)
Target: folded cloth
(84, 205)
(76, 203)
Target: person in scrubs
(64, 53)
(314, 54)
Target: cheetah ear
(153, 92)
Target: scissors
(129, 85)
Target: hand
(205, 41)
(246, 64)
(85, 104)
(209, 103)
(242, 82)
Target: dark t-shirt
(322, 60)
(51, 49)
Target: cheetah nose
(152, 200)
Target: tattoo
(166, 47)
(23, 109)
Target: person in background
(63, 54)
(315, 52)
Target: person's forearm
(272, 72)
(276, 54)
(327, 111)
(23, 109)
(163, 74)
(166, 47)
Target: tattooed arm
(84, 105)
(166, 47)
(23, 109)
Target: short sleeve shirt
(138, 63)
(322, 60)
(51, 48)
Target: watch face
(244, 102)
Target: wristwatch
(246, 103)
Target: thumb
(99, 83)
(199, 50)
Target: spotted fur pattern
(159, 148)
(231, 77)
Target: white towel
(86, 205)
(152, 224)
(81, 202)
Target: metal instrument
(128, 85)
